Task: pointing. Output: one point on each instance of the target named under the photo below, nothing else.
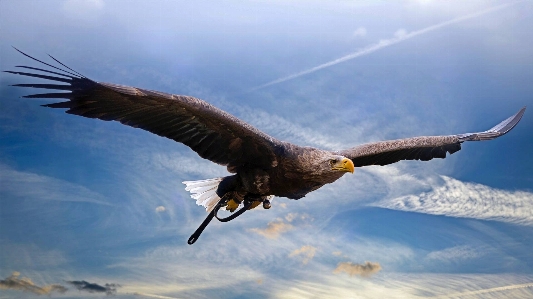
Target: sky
(90, 209)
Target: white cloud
(359, 32)
(470, 200)
(160, 209)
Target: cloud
(365, 270)
(359, 32)
(307, 252)
(41, 187)
(273, 229)
(399, 37)
(82, 285)
(28, 255)
(160, 209)
(279, 226)
(488, 291)
(408, 285)
(287, 130)
(470, 200)
(25, 284)
(452, 254)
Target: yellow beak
(344, 165)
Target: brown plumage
(262, 165)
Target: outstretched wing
(212, 133)
(423, 148)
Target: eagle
(260, 166)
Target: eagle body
(260, 166)
(298, 171)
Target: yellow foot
(232, 205)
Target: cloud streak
(470, 200)
(32, 185)
(487, 291)
(454, 254)
(25, 284)
(398, 38)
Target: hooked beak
(345, 165)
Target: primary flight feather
(262, 166)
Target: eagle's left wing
(423, 148)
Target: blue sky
(97, 202)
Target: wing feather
(423, 148)
(209, 131)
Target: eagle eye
(332, 162)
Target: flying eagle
(260, 165)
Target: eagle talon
(266, 204)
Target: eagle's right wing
(212, 133)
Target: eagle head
(340, 163)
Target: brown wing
(423, 148)
(212, 133)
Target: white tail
(204, 191)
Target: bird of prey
(260, 166)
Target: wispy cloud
(82, 285)
(306, 252)
(367, 269)
(15, 282)
(287, 130)
(453, 254)
(404, 285)
(487, 291)
(14, 255)
(470, 200)
(41, 187)
(403, 36)
(160, 209)
(359, 32)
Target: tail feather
(204, 191)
